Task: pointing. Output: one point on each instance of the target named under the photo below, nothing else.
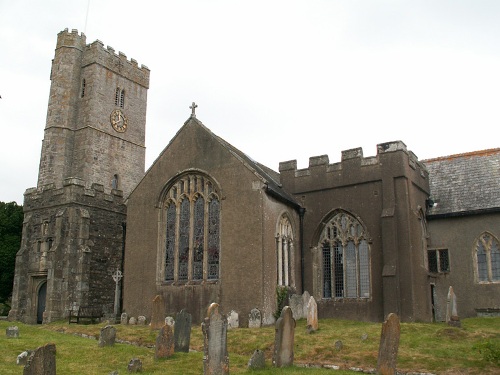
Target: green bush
(489, 350)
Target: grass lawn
(434, 348)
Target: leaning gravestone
(124, 318)
(164, 347)
(451, 309)
(233, 320)
(284, 338)
(312, 314)
(254, 319)
(182, 331)
(158, 313)
(305, 300)
(257, 361)
(135, 365)
(42, 361)
(389, 345)
(297, 305)
(107, 336)
(12, 332)
(214, 327)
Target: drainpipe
(302, 210)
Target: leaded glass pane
(482, 263)
(495, 261)
(198, 238)
(327, 271)
(432, 260)
(184, 240)
(339, 269)
(170, 243)
(364, 270)
(444, 261)
(350, 269)
(213, 239)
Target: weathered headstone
(364, 337)
(451, 309)
(284, 339)
(141, 320)
(182, 331)
(135, 365)
(389, 345)
(12, 332)
(233, 320)
(257, 360)
(214, 327)
(312, 314)
(124, 318)
(254, 319)
(297, 305)
(42, 361)
(22, 358)
(170, 321)
(339, 345)
(164, 347)
(132, 321)
(305, 299)
(107, 336)
(158, 313)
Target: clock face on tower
(118, 121)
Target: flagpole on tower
(86, 17)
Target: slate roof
(465, 184)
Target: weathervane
(193, 109)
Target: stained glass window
(170, 243)
(198, 238)
(184, 240)
(213, 239)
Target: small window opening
(83, 88)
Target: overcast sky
(280, 80)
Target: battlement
(71, 39)
(73, 190)
(351, 158)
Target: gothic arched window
(191, 218)
(345, 258)
(487, 258)
(284, 251)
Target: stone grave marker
(12, 332)
(22, 358)
(233, 320)
(297, 305)
(170, 321)
(107, 336)
(254, 318)
(305, 300)
(164, 347)
(158, 313)
(135, 365)
(124, 318)
(312, 314)
(257, 360)
(132, 321)
(339, 345)
(182, 331)
(42, 361)
(451, 309)
(141, 320)
(389, 345)
(214, 327)
(284, 339)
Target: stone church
(206, 223)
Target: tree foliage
(11, 228)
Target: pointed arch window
(345, 258)
(284, 252)
(191, 217)
(120, 97)
(487, 258)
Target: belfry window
(284, 252)
(487, 258)
(119, 97)
(191, 217)
(345, 258)
(83, 87)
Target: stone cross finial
(193, 109)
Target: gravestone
(107, 336)
(214, 327)
(132, 321)
(305, 300)
(182, 331)
(164, 347)
(12, 332)
(22, 358)
(284, 339)
(451, 309)
(158, 313)
(170, 321)
(124, 318)
(312, 314)
(233, 320)
(338, 345)
(42, 361)
(389, 345)
(364, 337)
(257, 360)
(297, 305)
(141, 320)
(254, 319)
(135, 365)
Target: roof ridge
(487, 152)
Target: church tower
(93, 155)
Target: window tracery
(284, 251)
(487, 258)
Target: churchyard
(423, 348)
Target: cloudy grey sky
(280, 80)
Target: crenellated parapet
(73, 190)
(354, 168)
